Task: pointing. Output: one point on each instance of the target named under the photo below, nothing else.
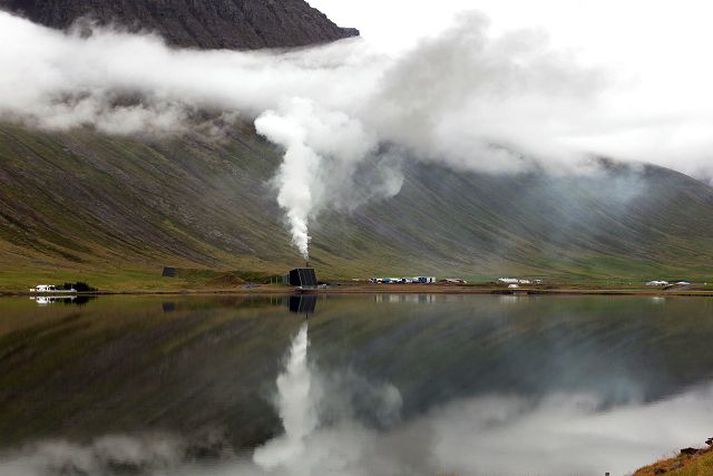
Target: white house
(51, 288)
(44, 288)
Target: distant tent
(305, 277)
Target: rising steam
(344, 114)
(315, 141)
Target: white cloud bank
(466, 98)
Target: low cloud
(346, 114)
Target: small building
(508, 281)
(303, 277)
(169, 272)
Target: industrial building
(302, 277)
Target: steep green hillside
(114, 210)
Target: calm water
(368, 385)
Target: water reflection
(410, 298)
(304, 304)
(465, 385)
(75, 300)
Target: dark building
(305, 277)
(169, 272)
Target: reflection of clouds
(509, 435)
(331, 427)
(564, 434)
(560, 435)
(106, 455)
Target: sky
(654, 52)
(606, 29)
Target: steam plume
(315, 141)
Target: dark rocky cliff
(208, 24)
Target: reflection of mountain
(476, 376)
(111, 206)
(211, 363)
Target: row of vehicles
(414, 280)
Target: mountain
(213, 24)
(114, 210)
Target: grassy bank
(243, 283)
(699, 463)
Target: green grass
(113, 211)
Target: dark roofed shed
(305, 277)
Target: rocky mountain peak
(205, 24)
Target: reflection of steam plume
(295, 405)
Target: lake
(358, 385)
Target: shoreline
(351, 289)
